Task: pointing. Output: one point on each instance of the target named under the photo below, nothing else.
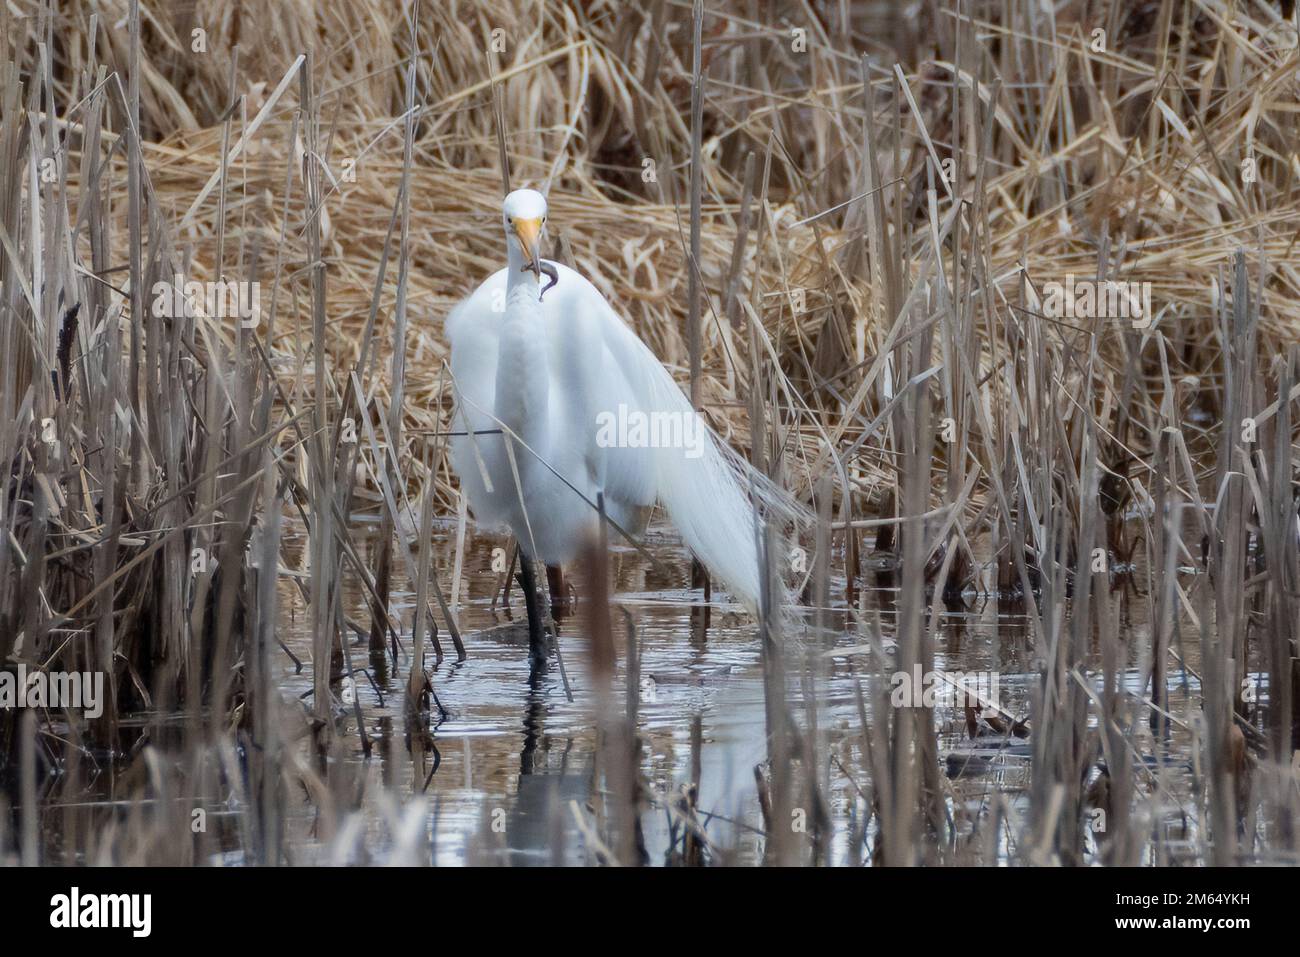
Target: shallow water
(517, 761)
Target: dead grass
(907, 213)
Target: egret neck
(522, 379)
(520, 273)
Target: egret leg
(701, 615)
(559, 597)
(536, 628)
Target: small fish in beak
(552, 274)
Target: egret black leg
(555, 584)
(536, 628)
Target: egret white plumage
(547, 376)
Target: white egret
(559, 402)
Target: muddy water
(516, 761)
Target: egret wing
(473, 330)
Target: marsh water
(515, 758)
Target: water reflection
(510, 764)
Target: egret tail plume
(709, 500)
(716, 499)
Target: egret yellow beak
(529, 232)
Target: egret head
(524, 216)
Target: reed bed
(842, 228)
